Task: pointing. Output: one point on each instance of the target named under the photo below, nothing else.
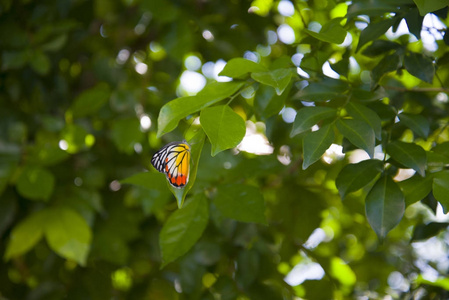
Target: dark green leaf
(331, 32)
(384, 206)
(414, 22)
(416, 123)
(237, 67)
(316, 143)
(90, 101)
(35, 183)
(440, 189)
(359, 133)
(388, 64)
(224, 128)
(241, 202)
(408, 154)
(423, 232)
(126, 133)
(379, 47)
(183, 228)
(324, 90)
(68, 234)
(419, 66)
(279, 78)
(268, 103)
(415, 188)
(177, 109)
(355, 176)
(363, 113)
(40, 63)
(426, 6)
(373, 31)
(309, 116)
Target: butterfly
(174, 161)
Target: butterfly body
(174, 161)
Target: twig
(421, 90)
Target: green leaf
(363, 113)
(68, 234)
(237, 67)
(309, 116)
(415, 188)
(359, 133)
(414, 22)
(35, 183)
(340, 270)
(408, 154)
(224, 128)
(326, 89)
(241, 202)
(373, 31)
(331, 32)
(426, 231)
(355, 176)
(388, 64)
(26, 234)
(419, 66)
(40, 62)
(441, 189)
(379, 47)
(183, 228)
(14, 59)
(148, 180)
(126, 133)
(316, 143)
(426, 6)
(90, 101)
(416, 123)
(279, 78)
(179, 108)
(196, 146)
(268, 103)
(384, 206)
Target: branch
(421, 90)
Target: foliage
(83, 83)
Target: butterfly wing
(174, 161)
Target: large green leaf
(361, 112)
(267, 103)
(426, 6)
(355, 176)
(326, 89)
(388, 64)
(224, 128)
(408, 154)
(35, 183)
(179, 108)
(359, 133)
(415, 188)
(279, 78)
(90, 101)
(68, 234)
(309, 116)
(126, 133)
(237, 67)
(241, 202)
(316, 143)
(26, 234)
(331, 32)
(417, 123)
(196, 146)
(419, 66)
(183, 228)
(441, 189)
(373, 31)
(384, 206)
